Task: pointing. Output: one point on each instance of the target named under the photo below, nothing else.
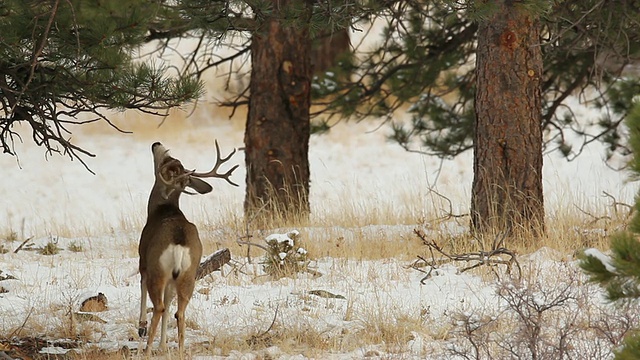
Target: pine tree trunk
(507, 185)
(277, 130)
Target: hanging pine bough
(67, 64)
(498, 255)
(618, 272)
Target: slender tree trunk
(277, 130)
(507, 184)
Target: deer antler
(213, 173)
(176, 179)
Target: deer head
(172, 179)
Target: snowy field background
(352, 165)
(383, 310)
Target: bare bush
(539, 319)
(496, 256)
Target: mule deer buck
(170, 248)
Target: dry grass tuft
(100, 354)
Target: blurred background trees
(424, 63)
(422, 80)
(418, 74)
(619, 273)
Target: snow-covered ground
(383, 309)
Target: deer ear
(198, 185)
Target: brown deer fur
(170, 249)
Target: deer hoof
(142, 329)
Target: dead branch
(615, 203)
(248, 243)
(16, 332)
(262, 338)
(498, 255)
(214, 262)
(23, 244)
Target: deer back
(168, 229)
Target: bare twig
(595, 218)
(255, 339)
(615, 203)
(23, 244)
(448, 214)
(248, 243)
(498, 255)
(249, 236)
(17, 331)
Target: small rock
(96, 303)
(325, 294)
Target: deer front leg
(142, 323)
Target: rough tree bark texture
(507, 184)
(277, 130)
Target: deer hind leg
(169, 293)
(156, 294)
(142, 323)
(185, 291)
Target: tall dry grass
(568, 230)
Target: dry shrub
(284, 256)
(50, 248)
(539, 318)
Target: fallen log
(214, 262)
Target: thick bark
(507, 184)
(277, 131)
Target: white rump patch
(175, 259)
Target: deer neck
(159, 198)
